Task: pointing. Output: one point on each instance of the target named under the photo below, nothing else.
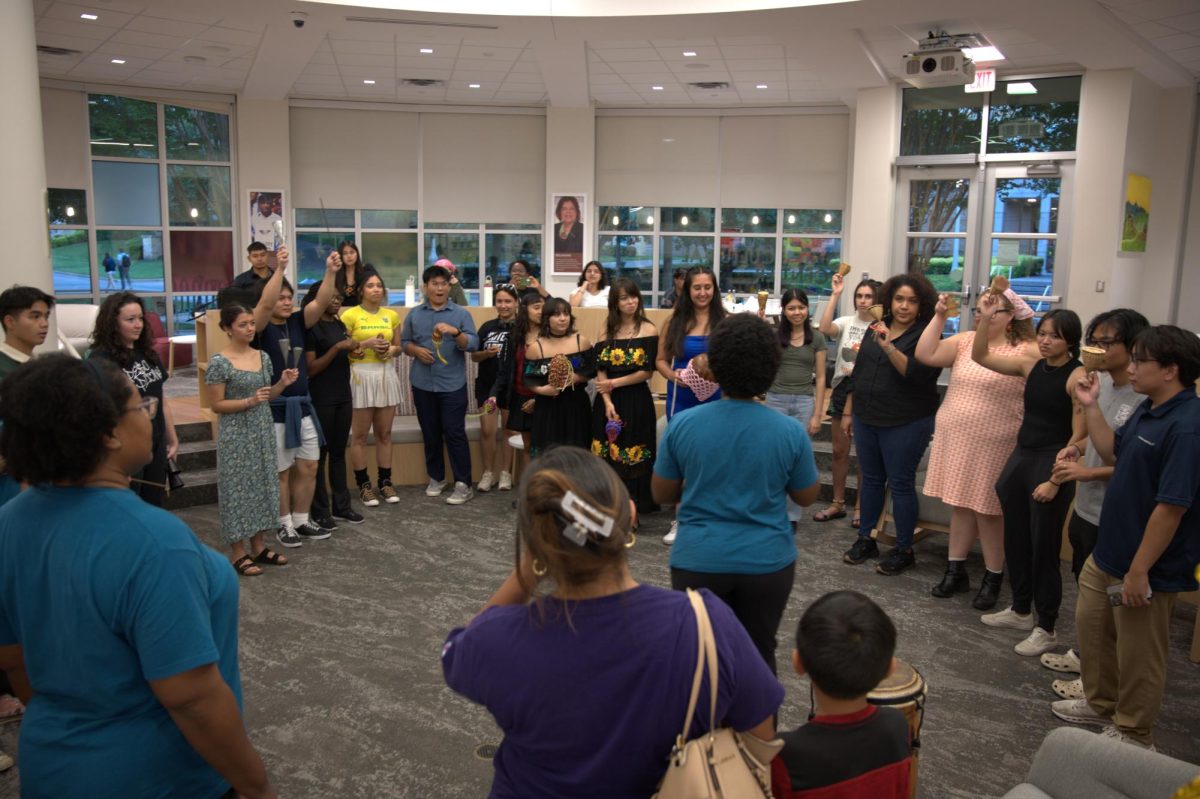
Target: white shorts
(309, 449)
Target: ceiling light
(143, 145)
(1032, 200)
(89, 16)
(70, 210)
(427, 50)
(754, 219)
(987, 53)
(1020, 88)
(668, 141)
(828, 218)
(193, 144)
(657, 88)
(683, 220)
(369, 82)
(791, 219)
(195, 212)
(762, 86)
(118, 60)
(473, 85)
(689, 53)
(616, 221)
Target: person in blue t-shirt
(118, 628)
(1148, 543)
(734, 463)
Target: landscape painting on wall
(1136, 219)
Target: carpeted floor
(345, 698)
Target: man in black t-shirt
(260, 268)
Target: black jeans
(335, 424)
(1033, 534)
(1082, 535)
(758, 600)
(443, 419)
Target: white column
(264, 160)
(570, 168)
(22, 156)
(868, 242)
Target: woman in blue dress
(697, 312)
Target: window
(199, 196)
(501, 249)
(67, 206)
(122, 127)
(145, 251)
(311, 250)
(324, 218)
(396, 257)
(462, 248)
(194, 135)
(70, 261)
(126, 193)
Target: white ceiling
(807, 56)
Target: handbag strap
(706, 649)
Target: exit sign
(985, 81)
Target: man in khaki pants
(1148, 543)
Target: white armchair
(75, 323)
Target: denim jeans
(888, 456)
(443, 419)
(800, 407)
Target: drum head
(904, 683)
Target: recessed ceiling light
(689, 53)
(988, 53)
(369, 82)
(762, 86)
(89, 16)
(427, 50)
(657, 88)
(473, 85)
(118, 60)
(1020, 88)
(193, 144)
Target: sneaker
(435, 488)
(1068, 663)
(1009, 618)
(1068, 689)
(897, 561)
(1077, 711)
(1039, 641)
(312, 532)
(669, 538)
(505, 481)
(11, 709)
(1112, 731)
(326, 523)
(486, 482)
(860, 550)
(349, 516)
(388, 493)
(462, 493)
(287, 536)
(366, 495)
(6, 762)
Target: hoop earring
(632, 542)
(538, 569)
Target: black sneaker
(312, 532)
(287, 536)
(349, 516)
(862, 549)
(897, 560)
(326, 523)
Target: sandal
(836, 510)
(245, 567)
(1068, 689)
(270, 558)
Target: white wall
(570, 169)
(1189, 286)
(784, 161)
(65, 135)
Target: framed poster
(265, 209)
(1136, 219)
(568, 236)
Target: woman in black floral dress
(623, 417)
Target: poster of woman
(568, 232)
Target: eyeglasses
(1135, 360)
(147, 404)
(1102, 343)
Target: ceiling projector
(940, 61)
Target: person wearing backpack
(124, 263)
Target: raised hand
(282, 256)
(988, 305)
(943, 306)
(334, 262)
(837, 283)
(1087, 389)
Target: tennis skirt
(374, 385)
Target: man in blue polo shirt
(438, 334)
(1148, 543)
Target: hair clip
(506, 287)
(583, 519)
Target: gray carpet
(344, 694)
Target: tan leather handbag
(721, 763)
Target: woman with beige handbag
(590, 681)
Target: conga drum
(905, 690)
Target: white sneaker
(486, 482)
(462, 493)
(1077, 711)
(1039, 641)
(435, 488)
(1068, 663)
(1008, 618)
(669, 538)
(505, 481)
(1112, 731)
(6, 762)
(1068, 689)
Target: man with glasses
(437, 334)
(1148, 542)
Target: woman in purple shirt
(591, 681)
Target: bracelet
(1051, 482)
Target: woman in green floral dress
(240, 390)
(623, 417)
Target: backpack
(125, 261)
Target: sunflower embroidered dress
(632, 453)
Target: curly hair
(106, 335)
(927, 296)
(57, 412)
(744, 355)
(684, 314)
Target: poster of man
(568, 235)
(266, 208)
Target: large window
(160, 218)
(750, 249)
